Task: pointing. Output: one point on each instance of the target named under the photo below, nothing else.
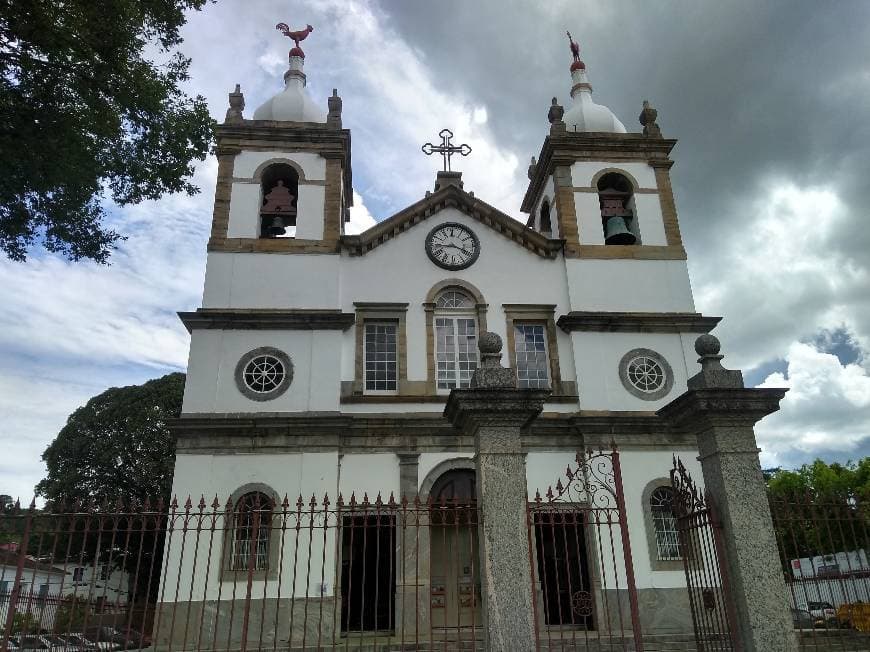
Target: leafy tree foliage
(820, 508)
(83, 111)
(117, 446)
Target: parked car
(823, 612)
(67, 643)
(29, 642)
(120, 639)
(802, 619)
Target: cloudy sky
(768, 100)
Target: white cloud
(827, 407)
(360, 218)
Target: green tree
(820, 508)
(83, 112)
(117, 446)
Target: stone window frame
(238, 374)
(660, 393)
(367, 311)
(655, 563)
(228, 573)
(535, 313)
(479, 310)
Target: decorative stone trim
(637, 322)
(540, 314)
(255, 319)
(629, 252)
(451, 196)
(380, 312)
(228, 574)
(388, 399)
(667, 383)
(282, 386)
(655, 563)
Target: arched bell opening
(616, 199)
(279, 190)
(455, 573)
(546, 226)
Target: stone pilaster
(722, 414)
(412, 548)
(494, 412)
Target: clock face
(452, 246)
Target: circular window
(646, 374)
(264, 373)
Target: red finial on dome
(297, 36)
(575, 52)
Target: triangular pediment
(451, 197)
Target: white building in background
(320, 362)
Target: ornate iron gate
(700, 539)
(582, 571)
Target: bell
(276, 228)
(616, 231)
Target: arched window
(279, 189)
(617, 214)
(664, 523)
(252, 528)
(455, 339)
(546, 227)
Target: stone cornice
(700, 409)
(451, 196)
(207, 433)
(637, 322)
(252, 319)
(469, 409)
(570, 147)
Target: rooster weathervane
(297, 36)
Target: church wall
(547, 193)
(294, 281)
(211, 385)
(589, 217)
(648, 211)
(629, 285)
(244, 202)
(583, 173)
(222, 475)
(313, 165)
(400, 271)
(598, 356)
(371, 473)
(309, 212)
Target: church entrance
(454, 565)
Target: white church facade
(321, 363)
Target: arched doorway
(454, 569)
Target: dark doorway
(563, 568)
(368, 573)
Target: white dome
(586, 115)
(293, 103)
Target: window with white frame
(533, 364)
(455, 340)
(380, 359)
(665, 524)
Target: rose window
(264, 374)
(646, 374)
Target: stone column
(412, 554)
(495, 412)
(722, 414)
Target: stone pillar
(412, 555)
(494, 412)
(722, 414)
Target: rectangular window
(78, 574)
(533, 364)
(455, 351)
(368, 573)
(380, 356)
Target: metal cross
(446, 148)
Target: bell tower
(606, 193)
(284, 176)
